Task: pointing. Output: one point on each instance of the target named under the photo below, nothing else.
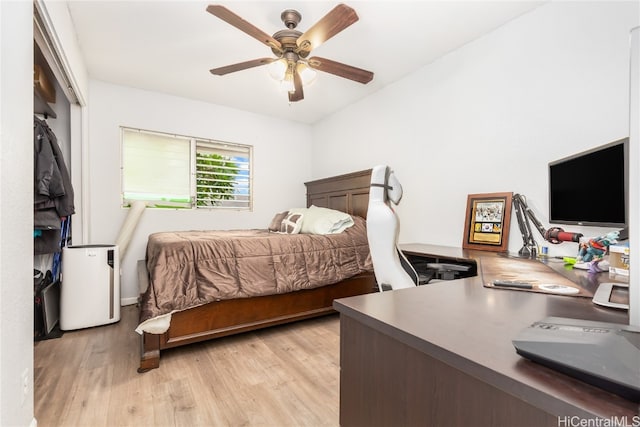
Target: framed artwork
(486, 225)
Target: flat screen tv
(591, 188)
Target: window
(222, 175)
(184, 172)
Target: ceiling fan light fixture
(278, 69)
(307, 74)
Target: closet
(53, 189)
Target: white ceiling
(169, 46)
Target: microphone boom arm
(525, 216)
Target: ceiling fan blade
(341, 70)
(221, 71)
(339, 18)
(233, 19)
(298, 95)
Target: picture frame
(487, 222)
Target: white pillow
(319, 220)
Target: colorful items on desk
(619, 259)
(591, 253)
(596, 248)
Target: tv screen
(590, 188)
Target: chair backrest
(390, 266)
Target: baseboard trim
(128, 301)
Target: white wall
(491, 115)
(634, 179)
(281, 163)
(16, 213)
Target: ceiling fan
(292, 47)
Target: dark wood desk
(441, 355)
(585, 280)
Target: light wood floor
(281, 376)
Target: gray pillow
(277, 220)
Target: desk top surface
(471, 327)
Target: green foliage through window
(215, 179)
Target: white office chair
(391, 268)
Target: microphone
(557, 235)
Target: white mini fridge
(90, 286)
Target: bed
(346, 193)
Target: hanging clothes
(53, 192)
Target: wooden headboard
(347, 193)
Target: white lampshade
(307, 74)
(277, 69)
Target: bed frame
(348, 193)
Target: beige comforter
(191, 268)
